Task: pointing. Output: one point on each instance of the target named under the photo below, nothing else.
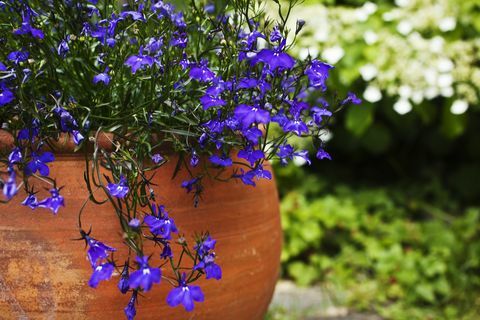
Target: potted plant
(138, 126)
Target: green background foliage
(393, 220)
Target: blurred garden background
(390, 228)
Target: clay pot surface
(44, 273)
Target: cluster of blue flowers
(199, 79)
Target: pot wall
(44, 274)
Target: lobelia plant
(209, 83)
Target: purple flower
(167, 251)
(322, 154)
(286, 152)
(159, 223)
(123, 283)
(6, 96)
(185, 294)
(129, 310)
(154, 45)
(77, 137)
(10, 187)
(15, 156)
(157, 158)
(133, 14)
(38, 163)
(54, 202)
(30, 201)
(145, 276)
(97, 250)
(259, 173)
(63, 48)
(194, 159)
(223, 161)
(27, 28)
(251, 114)
(139, 62)
(134, 223)
(203, 248)
(251, 155)
(351, 98)
(102, 77)
(18, 56)
(252, 135)
(318, 113)
(101, 272)
(201, 72)
(317, 73)
(207, 263)
(296, 126)
(275, 58)
(119, 189)
(275, 35)
(189, 184)
(68, 124)
(209, 101)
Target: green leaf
(359, 118)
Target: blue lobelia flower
(251, 114)
(136, 16)
(296, 126)
(54, 202)
(159, 222)
(101, 272)
(145, 276)
(251, 155)
(102, 77)
(27, 28)
(286, 152)
(130, 310)
(275, 58)
(322, 154)
(38, 163)
(30, 201)
(259, 173)
(10, 187)
(194, 160)
(204, 247)
(190, 184)
(167, 251)
(185, 294)
(276, 36)
(317, 73)
(351, 98)
(319, 113)
(139, 62)
(18, 56)
(119, 189)
(201, 72)
(211, 269)
(6, 96)
(15, 156)
(209, 101)
(157, 158)
(223, 161)
(97, 250)
(63, 47)
(134, 223)
(124, 283)
(252, 135)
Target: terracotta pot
(44, 273)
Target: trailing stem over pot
(213, 80)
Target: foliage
(404, 251)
